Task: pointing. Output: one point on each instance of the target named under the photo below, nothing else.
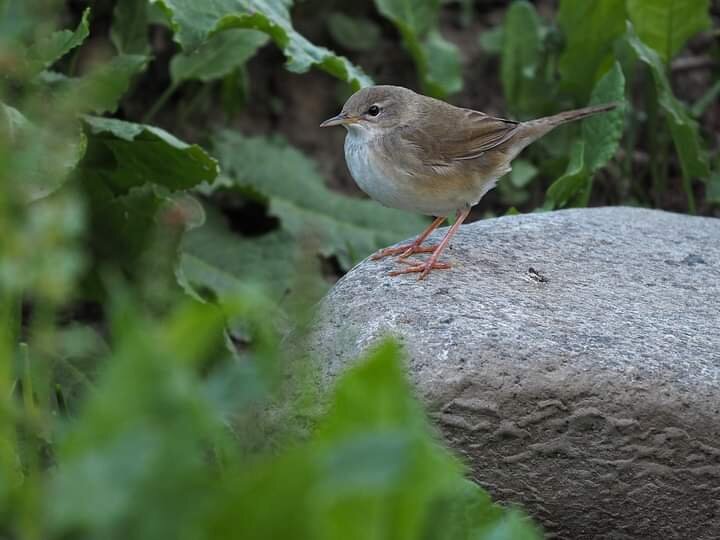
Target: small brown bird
(421, 154)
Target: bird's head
(374, 109)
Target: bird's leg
(408, 249)
(432, 263)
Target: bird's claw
(423, 268)
(402, 251)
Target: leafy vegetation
(161, 233)
(595, 54)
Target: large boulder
(571, 357)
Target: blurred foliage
(437, 60)
(146, 282)
(145, 388)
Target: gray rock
(572, 358)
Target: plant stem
(194, 102)
(687, 186)
(657, 146)
(706, 100)
(169, 91)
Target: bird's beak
(339, 120)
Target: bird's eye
(374, 110)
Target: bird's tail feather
(534, 129)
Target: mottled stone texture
(572, 358)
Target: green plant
(145, 280)
(594, 50)
(144, 390)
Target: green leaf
(590, 28)
(194, 22)
(48, 155)
(521, 57)
(393, 406)
(100, 90)
(601, 136)
(331, 223)
(443, 75)
(522, 173)
(382, 469)
(129, 155)
(683, 128)
(492, 40)
(665, 25)
(142, 438)
(602, 132)
(128, 174)
(573, 183)
(129, 31)
(218, 56)
(214, 259)
(47, 51)
(437, 60)
(353, 33)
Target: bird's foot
(423, 268)
(403, 251)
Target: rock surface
(572, 358)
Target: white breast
(401, 190)
(386, 189)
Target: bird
(424, 155)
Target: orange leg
(432, 263)
(408, 249)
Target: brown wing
(463, 134)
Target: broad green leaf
(218, 56)
(194, 22)
(383, 469)
(47, 154)
(590, 28)
(121, 226)
(665, 25)
(129, 155)
(49, 50)
(12, 122)
(573, 183)
(384, 472)
(437, 60)
(100, 90)
(142, 438)
(602, 132)
(128, 174)
(683, 128)
(331, 223)
(522, 57)
(129, 31)
(214, 259)
(394, 406)
(353, 33)
(444, 72)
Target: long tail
(534, 129)
(571, 116)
